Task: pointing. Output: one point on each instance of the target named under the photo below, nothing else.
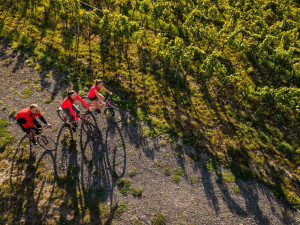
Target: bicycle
(112, 113)
(43, 140)
(90, 129)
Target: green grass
(159, 219)
(36, 80)
(132, 172)
(48, 75)
(27, 93)
(236, 190)
(168, 170)
(123, 185)
(12, 113)
(136, 191)
(194, 180)
(176, 178)
(48, 100)
(178, 172)
(120, 209)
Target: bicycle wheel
(90, 129)
(113, 114)
(91, 118)
(47, 143)
(62, 115)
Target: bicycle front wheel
(90, 129)
(113, 114)
(47, 143)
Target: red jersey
(29, 116)
(92, 91)
(68, 104)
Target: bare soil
(120, 148)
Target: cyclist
(26, 118)
(94, 95)
(69, 107)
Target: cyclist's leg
(76, 110)
(101, 101)
(94, 102)
(69, 115)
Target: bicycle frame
(107, 103)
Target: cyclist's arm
(105, 89)
(71, 109)
(22, 120)
(83, 102)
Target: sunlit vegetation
(223, 76)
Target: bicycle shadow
(115, 169)
(27, 183)
(86, 171)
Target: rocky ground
(200, 197)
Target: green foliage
(132, 172)
(176, 178)
(201, 81)
(159, 219)
(123, 185)
(6, 138)
(12, 113)
(168, 170)
(178, 172)
(27, 93)
(137, 191)
(120, 209)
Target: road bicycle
(88, 122)
(43, 140)
(111, 112)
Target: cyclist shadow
(114, 162)
(25, 171)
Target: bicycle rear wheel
(113, 114)
(90, 129)
(47, 143)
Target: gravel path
(121, 148)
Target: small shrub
(27, 93)
(120, 209)
(136, 191)
(36, 80)
(178, 172)
(159, 219)
(210, 164)
(176, 178)
(168, 170)
(12, 113)
(194, 180)
(132, 172)
(236, 190)
(48, 100)
(157, 162)
(132, 152)
(178, 147)
(124, 185)
(285, 148)
(26, 81)
(48, 75)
